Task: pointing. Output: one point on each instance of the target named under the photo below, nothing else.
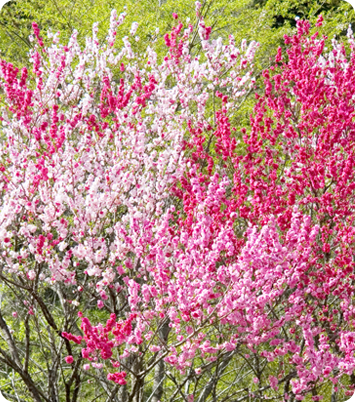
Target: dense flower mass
(125, 184)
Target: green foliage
(265, 21)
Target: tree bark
(159, 372)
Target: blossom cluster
(119, 180)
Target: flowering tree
(285, 294)
(148, 250)
(92, 144)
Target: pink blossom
(31, 275)
(69, 359)
(273, 382)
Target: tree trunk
(159, 372)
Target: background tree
(263, 21)
(260, 20)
